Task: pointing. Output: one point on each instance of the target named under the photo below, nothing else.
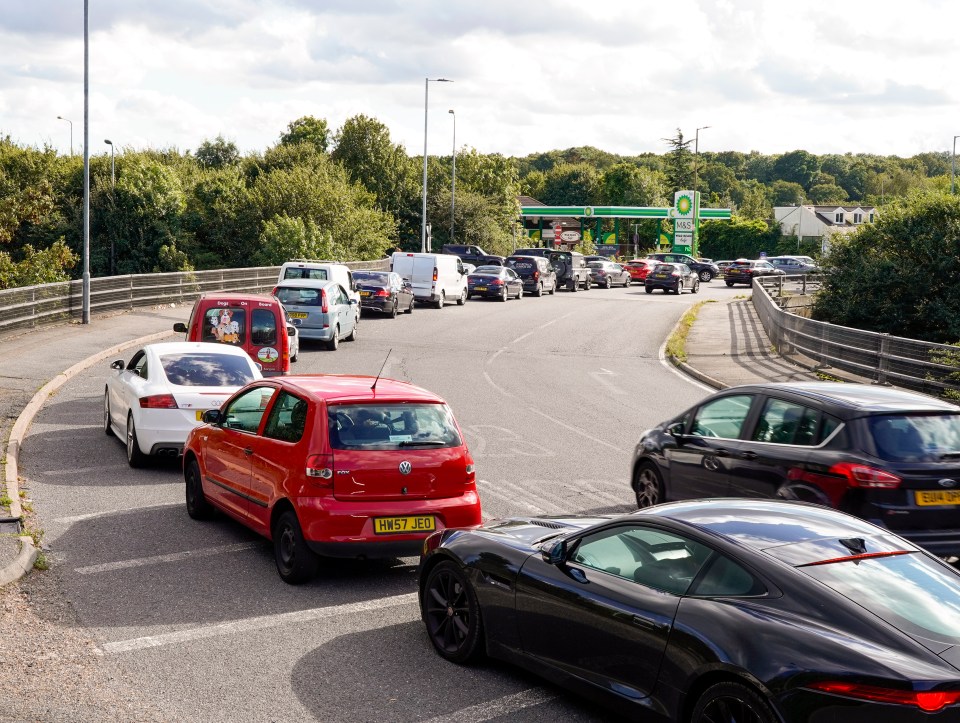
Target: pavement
(726, 346)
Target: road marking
(497, 387)
(490, 488)
(498, 707)
(235, 627)
(579, 431)
(107, 513)
(172, 557)
(662, 354)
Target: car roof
(346, 388)
(196, 347)
(307, 283)
(235, 296)
(859, 397)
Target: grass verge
(677, 343)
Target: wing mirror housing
(211, 416)
(118, 365)
(675, 429)
(181, 327)
(291, 331)
(554, 553)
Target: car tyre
(706, 275)
(648, 289)
(107, 426)
(587, 284)
(696, 287)
(679, 289)
(395, 309)
(335, 341)
(463, 298)
(452, 614)
(504, 295)
(729, 283)
(409, 309)
(135, 457)
(441, 300)
(354, 331)
(296, 562)
(553, 289)
(539, 291)
(520, 294)
(729, 701)
(197, 505)
(628, 283)
(608, 283)
(573, 286)
(648, 485)
(296, 354)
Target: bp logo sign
(588, 211)
(684, 205)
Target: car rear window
(521, 266)
(296, 272)
(191, 369)
(391, 426)
(290, 296)
(916, 437)
(226, 325)
(920, 596)
(664, 268)
(372, 277)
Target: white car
(156, 398)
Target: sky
(529, 76)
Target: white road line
(579, 431)
(497, 387)
(489, 488)
(662, 353)
(235, 627)
(498, 707)
(161, 559)
(106, 513)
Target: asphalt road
(551, 393)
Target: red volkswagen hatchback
(341, 466)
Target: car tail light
(435, 273)
(861, 475)
(471, 472)
(536, 275)
(925, 700)
(382, 293)
(320, 469)
(496, 282)
(324, 306)
(274, 292)
(158, 401)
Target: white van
(321, 271)
(436, 278)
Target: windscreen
(916, 437)
(290, 296)
(372, 277)
(297, 272)
(190, 369)
(391, 426)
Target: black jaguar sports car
(707, 611)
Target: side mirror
(211, 416)
(181, 327)
(118, 365)
(407, 284)
(554, 553)
(291, 331)
(353, 302)
(675, 429)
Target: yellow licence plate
(479, 288)
(364, 293)
(937, 497)
(298, 315)
(395, 525)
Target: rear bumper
(490, 293)
(384, 305)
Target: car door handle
(749, 455)
(248, 450)
(721, 452)
(642, 623)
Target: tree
(737, 238)
(307, 129)
(217, 153)
(797, 167)
(678, 163)
(785, 193)
(569, 184)
(36, 267)
(824, 193)
(627, 185)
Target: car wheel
(648, 289)
(296, 354)
(706, 275)
(628, 283)
(135, 457)
(395, 309)
(648, 485)
(572, 285)
(335, 341)
(696, 286)
(441, 300)
(608, 284)
(520, 293)
(731, 702)
(197, 506)
(463, 298)
(107, 426)
(729, 283)
(452, 614)
(587, 284)
(296, 562)
(353, 332)
(553, 289)
(504, 295)
(409, 309)
(539, 291)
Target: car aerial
(536, 272)
(494, 282)
(155, 399)
(639, 268)
(608, 274)
(320, 310)
(671, 277)
(571, 269)
(883, 454)
(795, 264)
(744, 271)
(472, 255)
(332, 465)
(705, 271)
(706, 611)
(384, 291)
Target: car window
(373, 277)
(785, 422)
(138, 364)
(263, 330)
(290, 296)
(725, 578)
(916, 437)
(651, 557)
(245, 412)
(723, 417)
(391, 426)
(288, 418)
(190, 369)
(300, 273)
(226, 325)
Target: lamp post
(60, 117)
(453, 182)
(113, 185)
(85, 304)
(696, 155)
(953, 164)
(423, 217)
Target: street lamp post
(85, 304)
(696, 154)
(60, 117)
(453, 182)
(113, 186)
(953, 163)
(423, 217)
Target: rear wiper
(422, 443)
(950, 455)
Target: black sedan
(494, 282)
(708, 611)
(672, 277)
(383, 291)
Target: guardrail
(881, 358)
(31, 306)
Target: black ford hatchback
(886, 455)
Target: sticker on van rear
(268, 355)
